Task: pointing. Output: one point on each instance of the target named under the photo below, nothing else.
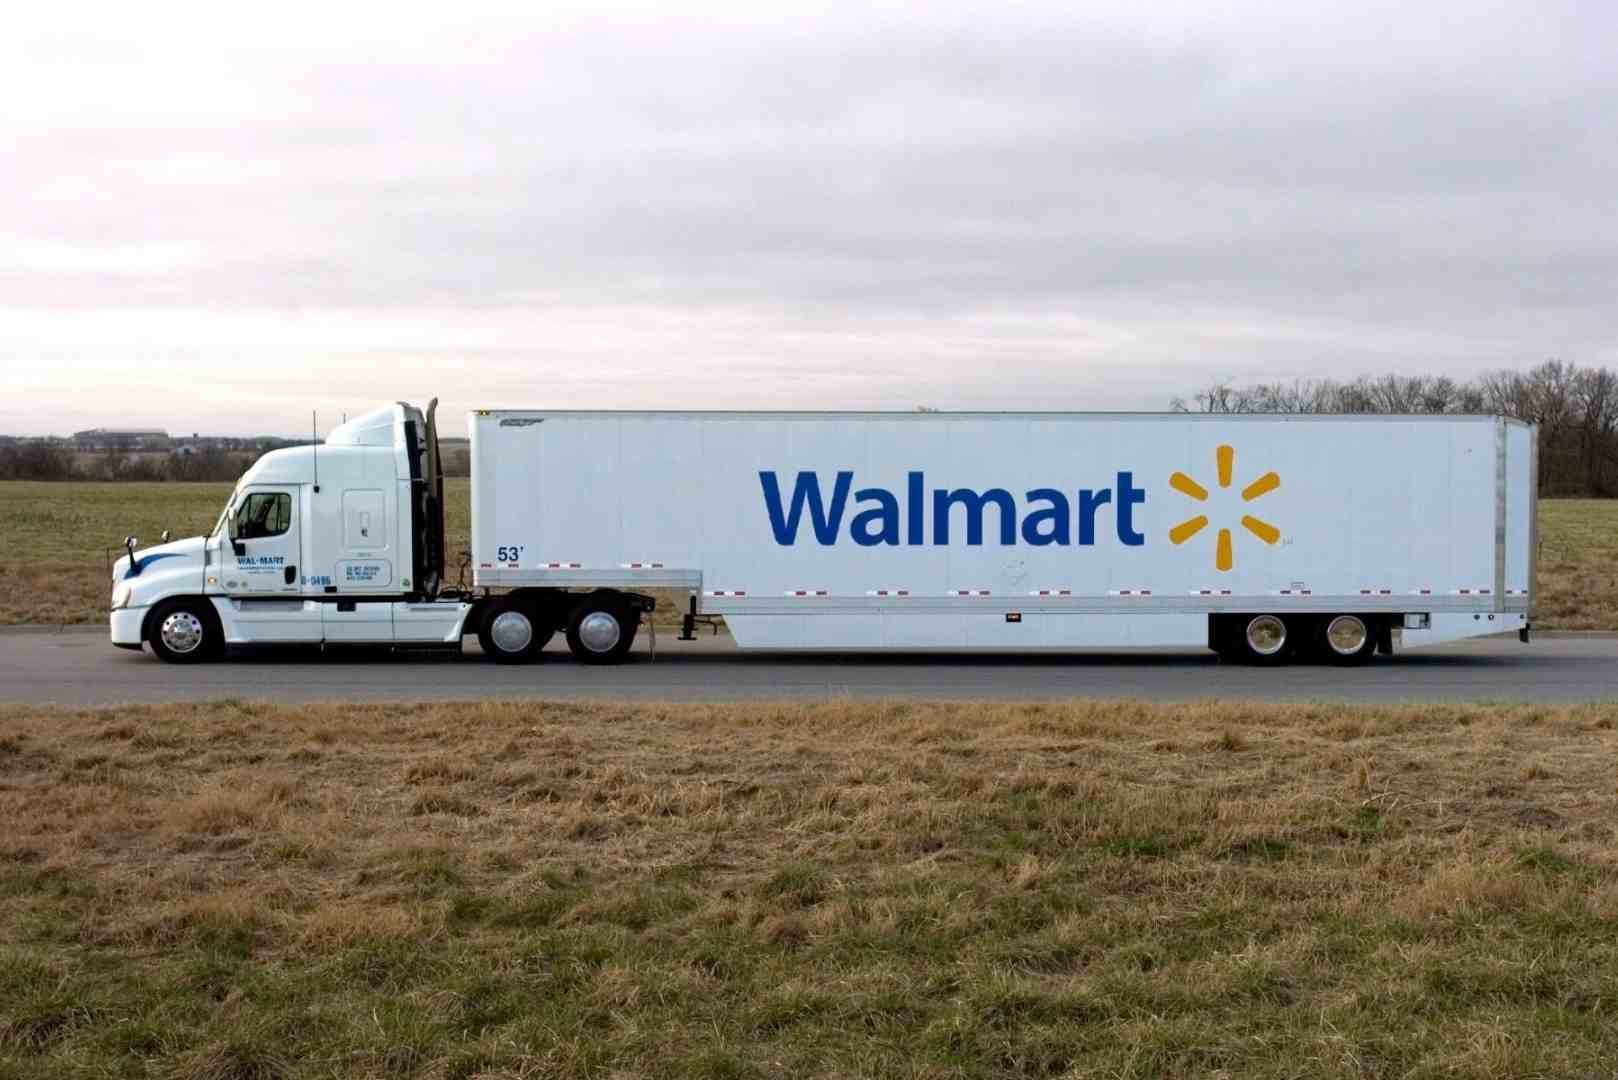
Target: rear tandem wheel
(602, 628)
(512, 632)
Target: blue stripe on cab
(140, 564)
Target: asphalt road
(79, 667)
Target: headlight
(120, 596)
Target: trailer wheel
(185, 631)
(601, 630)
(1346, 639)
(1258, 639)
(511, 633)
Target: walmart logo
(1225, 462)
(881, 516)
(917, 515)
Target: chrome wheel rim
(599, 631)
(181, 632)
(1346, 635)
(511, 631)
(1266, 635)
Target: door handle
(290, 575)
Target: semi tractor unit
(1263, 538)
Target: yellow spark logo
(1225, 459)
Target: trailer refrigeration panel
(1019, 531)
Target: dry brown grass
(1106, 889)
(55, 539)
(1578, 564)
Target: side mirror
(165, 536)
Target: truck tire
(1346, 639)
(1257, 639)
(185, 631)
(511, 632)
(601, 630)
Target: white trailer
(1264, 538)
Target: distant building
(122, 439)
(195, 443)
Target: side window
(264, 513)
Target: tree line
(1576, 410)
(55, 459)
(45, 459)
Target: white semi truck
(1263, 538)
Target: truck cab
(337, 542)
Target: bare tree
(1576, 410)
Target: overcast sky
(220, 219)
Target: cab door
(259, 567)
(358, 539)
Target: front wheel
(601, 630)
(185, 631)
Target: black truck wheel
(511, 632)
(1346, 640)
(1255, 639)
(601, 630)
(185, 631)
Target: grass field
(54, 538)
(1097, 889)
(1578, 564)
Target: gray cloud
(1001, 207)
